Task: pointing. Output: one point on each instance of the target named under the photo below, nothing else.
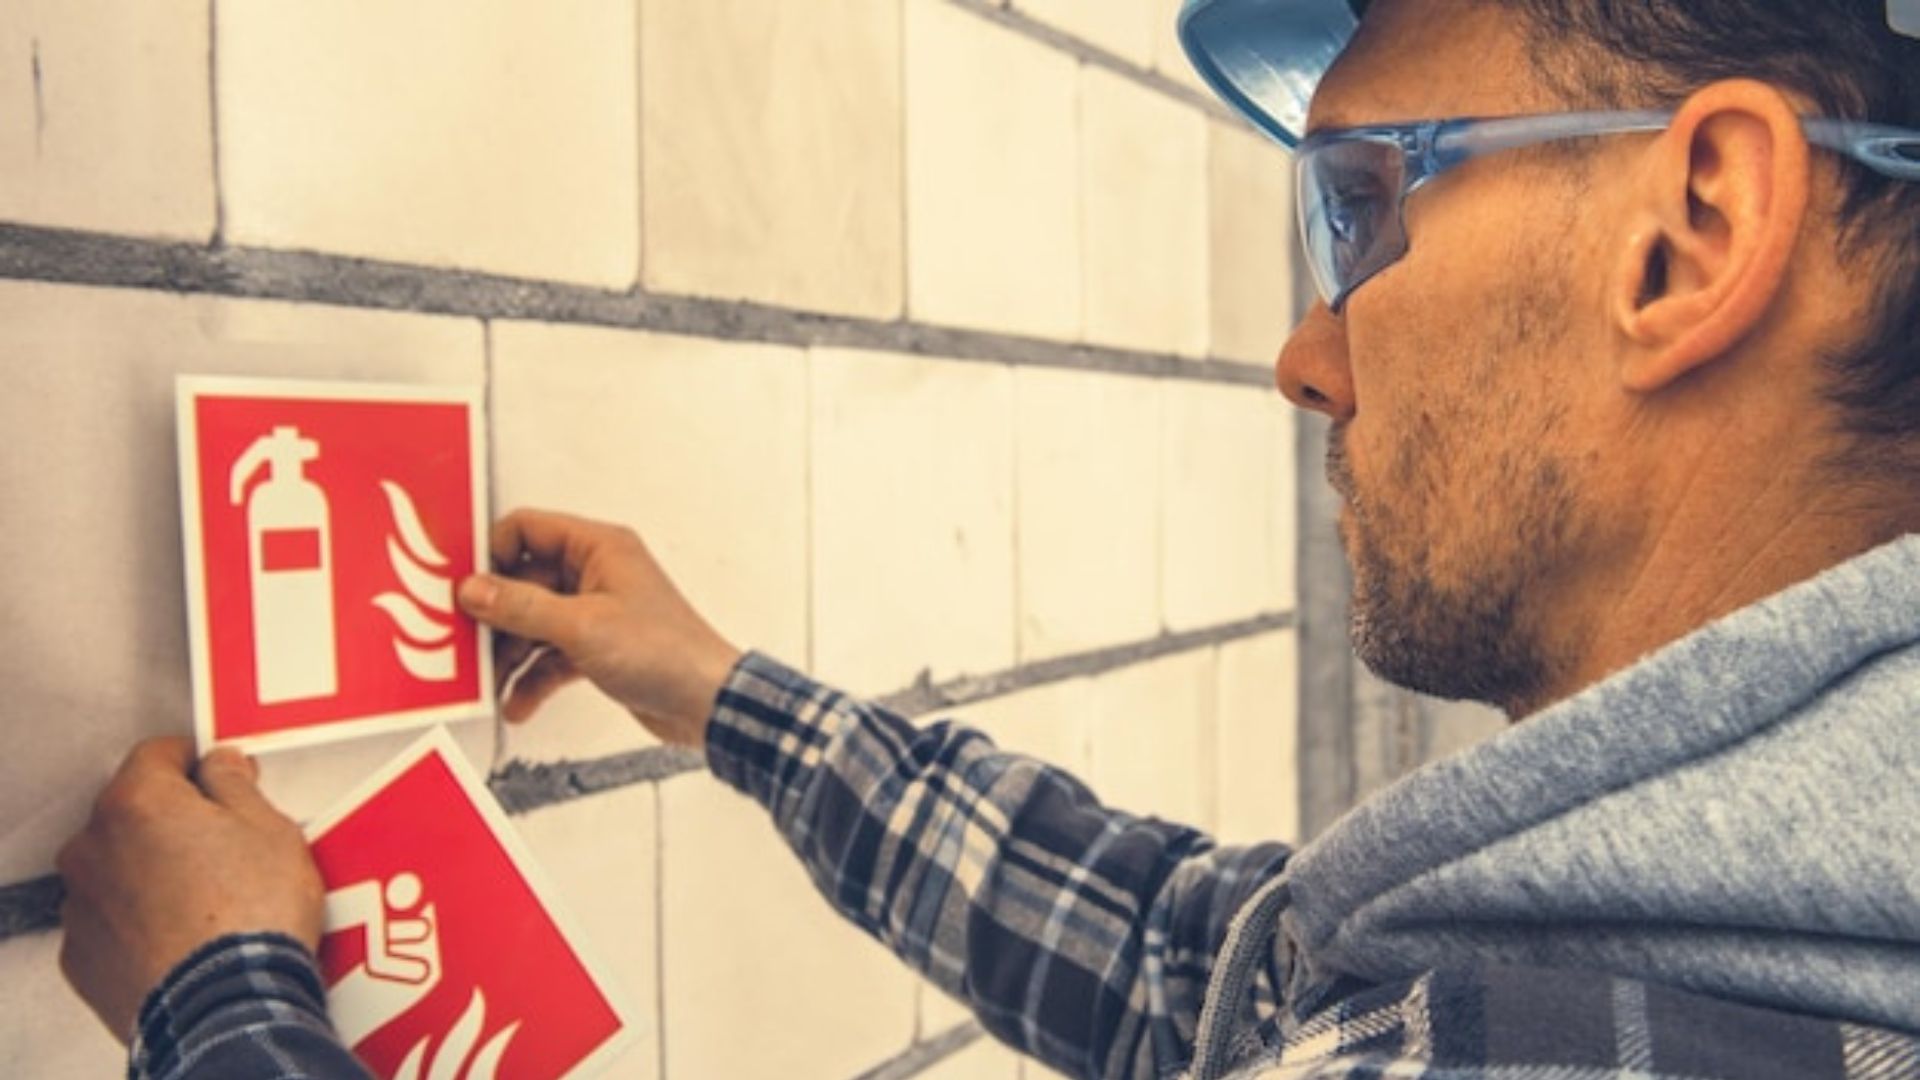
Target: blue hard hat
(1264, 57)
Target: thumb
(520, 608)
(231, 779)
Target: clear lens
(1349, 194)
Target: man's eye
(1350, 216)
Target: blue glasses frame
(1347, 177)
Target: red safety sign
(326, 527)
(443, 954)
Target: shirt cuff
(226, 983)
(768, 728)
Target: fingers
(509, 654)
(520, 608)
(542, 679)
(231, 779)
(170, 755)
(152, 767)
(540, 535)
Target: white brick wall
(730, 230)
(993, 184)
(1088, 516)
(912, 496)
(753, 108)
(1143, 172)
(745, 934)
(1122, 27)
(128, 154)
(603, 856)
(443, 132)
(583, 417)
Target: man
(1627, 423)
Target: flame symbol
(458, 1043)
(422, 642)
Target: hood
(1737, 815)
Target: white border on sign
(438, 742)
(190, 388)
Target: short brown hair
(1845, 58)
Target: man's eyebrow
(1328, 119)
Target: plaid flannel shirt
(1077, 934)
(244, 1005)
(1087, 937)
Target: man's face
(1459, 389)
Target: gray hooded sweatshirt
(1737, 816)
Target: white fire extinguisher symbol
(289, 569)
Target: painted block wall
(927, 342)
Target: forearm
(1081, 935)
(247, 1005)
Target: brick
(1219, 475)
(772, 152)
(1258, 701)
(91, 393)
(1283, 521)
(912, 518)
(698, 445)
(1144, 167)
(1456, 726)
(982, 1059)
(1124, 28)
(1251, 206)
(742, 923)
(454, 133)
(993, 194)
(1154, 743)
(1088, 508)
(1169, 58)
(578, 723)
(601, 855)
(938, 1012)
(1051, 723)
(306, 781)
(45, 1029)
(129, 153)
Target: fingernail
(478, 591)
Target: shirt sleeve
(1078, 934)
(247, 1005)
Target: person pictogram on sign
(402, 964)
(290, 569)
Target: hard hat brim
(1265, 57)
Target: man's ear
(1717, 210)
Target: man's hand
(174, 856)
(583, 598)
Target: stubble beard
(1449, 608)
(1462, 640)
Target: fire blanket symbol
(443, 954)
(326, 525)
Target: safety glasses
(1352, 184)
(1265, 57)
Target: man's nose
(1312, 369)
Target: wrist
(684, 722)
(218, 969)
(716, 671)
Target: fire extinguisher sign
(326, 527)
